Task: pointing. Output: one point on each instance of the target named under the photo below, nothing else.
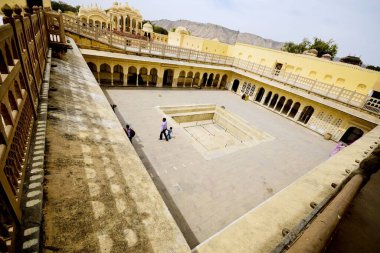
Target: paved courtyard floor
(205, 196)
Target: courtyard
(207, 193)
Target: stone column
(298, 113)
(111, 78)
(264, 97)
(160, 75)
(125, 81)
(98, 76)
(175, 78)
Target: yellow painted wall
(336, 73)
(340, 74)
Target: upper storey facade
(120, 17)
(351, 77)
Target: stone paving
(204, 196)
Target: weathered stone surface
(99, 196)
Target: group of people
(167, 132)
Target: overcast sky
(352, 24)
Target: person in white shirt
(164, 126)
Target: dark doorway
(204, 79)
(32, 3)
(168, 77)
(260, 94)
(293, 112)
(351, 135)
(235, 85)
(306, 114)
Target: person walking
(164, 126)
(130, 132)
(170, 133)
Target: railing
(73, 24)
(23, 51)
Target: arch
(216, 80)
(361, 87)
(105, 74)
(92, 66)
(210, 79)
(196, 79)
(104, 25)
(90, 23)
(133, 23)
(235, 85)
(306, 114)
(260, 94)
(204, 79)
(298, 70)
(118, 75)
(143, 76)
(267, 99)
(351, 135)
(3, 64)
(312, 74)
(223, 82)
(327, 78)
(127, 23)
(287, 106)
(340, 81)
(8, 54)
(189, 78)
(293, 112)
(273, 101)
(181, 78)
(132, 76)
(280, 103)
(153, 77)
(97, 23)
(168, 77)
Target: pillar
(175, 78)
(98, 76)
(160, 75)
(125, 80)
(111, 78)
(264, 97)
(298, 113)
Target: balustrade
(158, 49)
(23, 53)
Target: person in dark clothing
(130, 132)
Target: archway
(223, 82)
(127, 23)
(235, 85)
(306, 114)
(92, 67)
(351, 135)
(260, 94)
(280, 103)
(153, 77)
(118, 75)
(267, 99)
(189, 79)
(274, 101)
(181, 78)
(216, 80)
(168, 77)
(294, 110)
(143, 76)
(204, 79)
(210, 79)
(287, 106)
(132, 76)
(105, 74)
(196, 79)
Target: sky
(352, 24)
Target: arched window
(351, 135)
(196, 79)
(210, 79)
(168, 77)
(143, 76)
(189, 78)
(181, 78)
(216, 80)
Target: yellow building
(339, 74)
